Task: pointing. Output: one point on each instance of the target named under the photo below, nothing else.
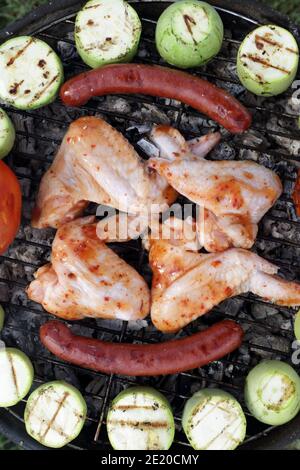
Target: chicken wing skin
(96, 163)
(234, 195)
(187, 284)
(87, 279)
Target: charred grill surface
(273, 140)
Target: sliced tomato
(10, 206)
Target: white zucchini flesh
(55, 414)
(7, 134)
(30, 72)
(268, 60)
(140, 418)
(214, 420)
(107, 31)
(16, 376)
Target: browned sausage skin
(169, 357)
(155, 80)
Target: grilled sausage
(159, 81)
(169, 357)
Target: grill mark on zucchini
(265, 63)
(52, 420)
(136, 407)
(140, 424)
(188, 21)
(14, 88)
(40, 93)
(222, 432)
(272, 42)
(20, 52)
(92, 6)
(13, 373)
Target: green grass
(13, 9)
(10, 10)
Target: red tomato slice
(10, 206)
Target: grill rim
(11, 425)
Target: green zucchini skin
(179, 35)
(19, 88)
(95, 52)
(49, 411)
(140, 418)
(7, 134)
(16, 374)
(272, 392)
(267, 60)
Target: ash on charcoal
(224, 151)
(151, 113)
(196, 124)
(252, 138)
(291, 145)
(148, 148)
(116, 104)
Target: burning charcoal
(260, 311)
(195, 124)
(4, 292)
(232, 306)
(150, 112)
(224, 151)
(291, 145)
(67, 51)
(67, 374)
(148, 148)
(116, 104)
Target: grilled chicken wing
(187, 285)
(87, 279)
(233, 195)
(96, 163)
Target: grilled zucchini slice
(213, 420)
(16, 376)
(140, 418)
(189, 33)
(107, 31)
(267, 60)
(7, 134)
(272, 392)
(55, 414)
(30, 73)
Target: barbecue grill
(274, 140)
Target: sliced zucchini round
(7, 134)
(55, 414)
(107, 31)
(213, 420)
(2, 318)
(267, 60)
(30, 73)
(16, 376)
(189, 33)
(140, 418)
(272, 392)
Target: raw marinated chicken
(188, 284)
(96, 163)
(233, 195)
(87, 279)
